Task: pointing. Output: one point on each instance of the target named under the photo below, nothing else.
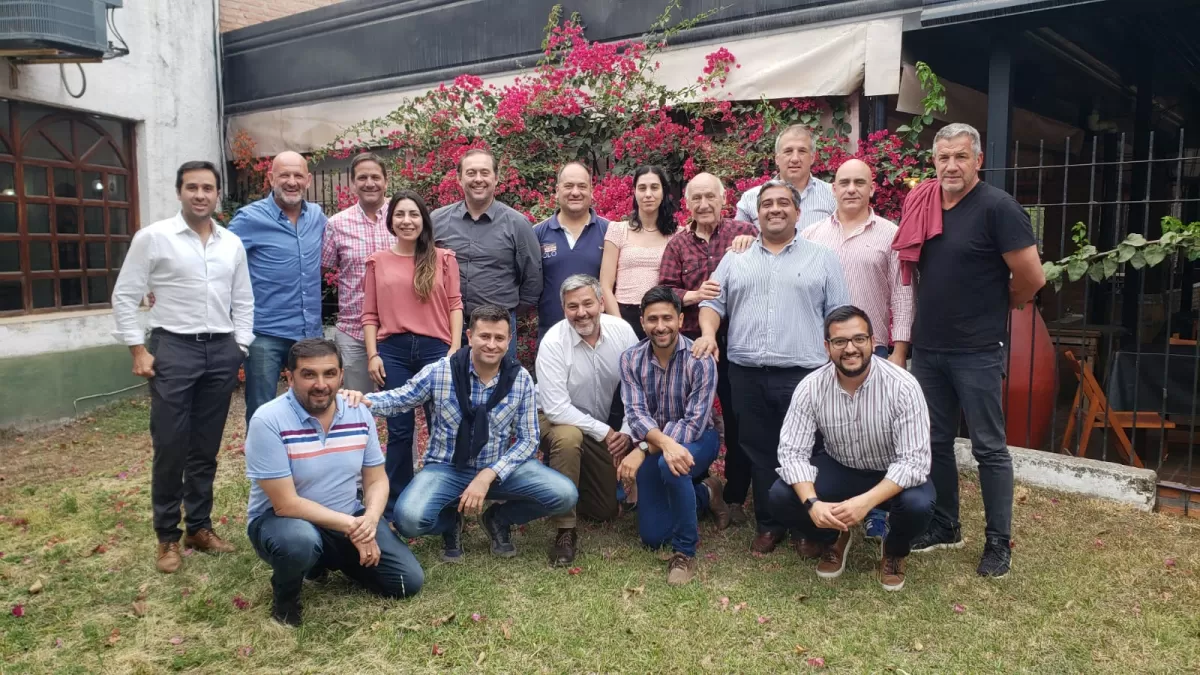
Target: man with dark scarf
(483, 431)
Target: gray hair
(960, 129)
(795, 130)
(578, 281)
(774, 183)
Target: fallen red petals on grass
(724, 604)
(188, 552)
(224, 520)
(58, 643)
(240, 602)
(176, 640)
(1012, 543)
(757, 554)
(815, 662)
(1037, 516)
(115, 636)
(18, 610)
(245, 651)
(959, 608)
(739, 607)
(477, 617)
(574, 570)
(1099, 543)
(100, 549)
(710, 556)
(185, 592)
(437, 650)
(1054, 500)
(1170, 563)
(764, 619)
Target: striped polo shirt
(285, 440)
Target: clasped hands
(839, 515)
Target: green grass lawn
(1095, 588)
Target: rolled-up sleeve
(798, 435)
(910, 428)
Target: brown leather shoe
(565, 547)
(680, 569)
(765, 542)
(207, 541)
(833, 560)
(169, 558)
(716, 501)
(808, 549)
(891, 572)
(737, 515)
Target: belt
(194, 337)
(772, 369)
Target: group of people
(799, 319)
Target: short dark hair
(845, 313)
(490, 313)
(661, 294)
(312, 348)
(367, 157)
(477, 151)
(198, 165)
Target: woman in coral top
(633, 249)
(412, 316)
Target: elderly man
(482, 437)
(794, 155)
(863, 243)
(571, 240)
(983, 263)
(497, 250)
(351, 237)
(283, 235)
(875, 427)
(578, 375)
(688, 262)
(306, 454)
(774, 299)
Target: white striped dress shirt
(883, 426)
(872, 271)
(816, 203)
(775, 305)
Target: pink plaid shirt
(872, 270)
(350, 238)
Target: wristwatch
(644, 447)
(808, 503)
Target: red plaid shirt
(688, 260)
(350, 238)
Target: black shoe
(565, 547)
(501, 536)
(287, 612)
(937, 538)
(318, 575)
(452, 549)
(997, 558)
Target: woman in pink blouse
(412, 316)
(633, 249)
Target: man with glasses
(875, 425)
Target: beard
(290, 201)
(854, 372)
(585, 328)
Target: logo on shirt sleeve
(549, 250)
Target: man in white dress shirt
(795, 151)
(578, 378)
(201, 324)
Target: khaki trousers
(587, 463)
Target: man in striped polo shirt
(875, 425)
(305, 454)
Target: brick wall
(242, 13)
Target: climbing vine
(1135, 250)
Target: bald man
(687, 266)
(862, 240)
(283, 235)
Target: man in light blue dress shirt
(795, 150)
(282, 234)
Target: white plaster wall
(167, 84)
(63, 332)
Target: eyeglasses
(859, 340)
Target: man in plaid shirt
(350, 238)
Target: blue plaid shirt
(676, 400)
(515, 415)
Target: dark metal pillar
(1139, 191)
(999, 114)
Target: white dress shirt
(197, 288)
(575, 381)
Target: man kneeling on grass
(305, 453)
(480, 399)
(876, 429)
(668, 395)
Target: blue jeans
(512, 324)
(404, 355)
(268, 355)
(429, 504)
(969, 383)
(668, 504)
(292, 547)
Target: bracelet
(374, 356)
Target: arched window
(68, 207)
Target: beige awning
(830, 60)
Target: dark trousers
(404, 355)
(737, 465)
(972, 384)
(633, 316)
(189, 401)
(761, 397)
(908, 512)
(292, 547)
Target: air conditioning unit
(54, 30)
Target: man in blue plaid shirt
(483, 431)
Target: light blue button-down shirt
(816, 204)
(285, 267)
(775, 304)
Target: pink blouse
(391, 301)
(637, 266)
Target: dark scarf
(474, 431)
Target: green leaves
(1076, 268)
(1135, 251)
